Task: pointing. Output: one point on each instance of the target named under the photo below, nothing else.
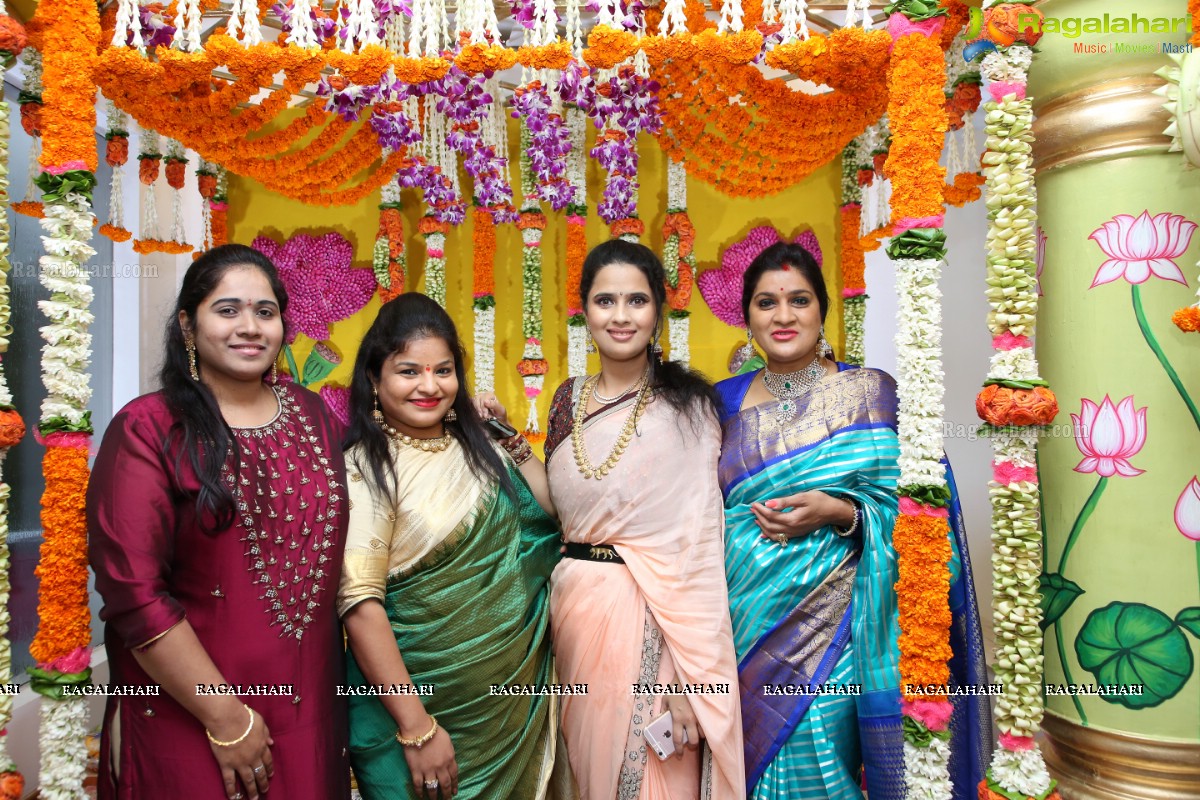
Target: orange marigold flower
(923, 552)
(1000, 405)
(1187, 319)
(483, 239)
(31, 117)
(12, 428)
(853, 262)
(115, 233)
(30, 208)
(176, 173)
(116, 151)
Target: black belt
(592, 552)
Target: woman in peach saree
(640, 601)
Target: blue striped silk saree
(821, 611)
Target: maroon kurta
(260, 596)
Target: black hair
(685, 389)
(782, 255)
(200, 428)
(401, 321)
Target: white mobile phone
(659, 736)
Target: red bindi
(785, 267)
(427, 369)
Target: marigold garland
(1194, 11)
(854, 263)
(29, 208)
(918, 124)
(924, 616)
(68, 58)
(1187, 319)
(391, 234)
(115, 233)
(965, 189)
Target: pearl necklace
(581, 457)
(787, 386)
(636, 387)
(435, 445)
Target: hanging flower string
(854, 287)
(921, 535)
(219, 206)
(12, 427)
(388, 259)
(434, 231)
(1014, 402)
(576, 244)
(206, 185)
(679, 261)
(532, 366)
(30, 99)
(61, 646)
(176, 170)
(483, 239)
(116, 155)
(149, 166)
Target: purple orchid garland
(549, 143)
(466, 103)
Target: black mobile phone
(498, 429)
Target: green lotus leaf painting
(1058, 593)
(1131, 644)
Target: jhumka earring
(376, 414)
(743, 353)
(823, 347)
(655, 348)
(451, 416)
(190, 345)
(591, 343)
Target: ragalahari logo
(1000, 26)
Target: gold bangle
(238, 740)
(418, 741)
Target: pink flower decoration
(1000, 89)
(1187, 511)
(1009, 341)
(933, 714)
(73, 662)
(912, 508)
(337, 398)
(1139, 248)
(722, 287)
(1108, 436)
(1016, 743)
(1006, 472)
(1039, 257)
(323, 287)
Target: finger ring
(781, 538)
(237, 796)
(257, 769)
(433, 784)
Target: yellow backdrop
(719, 221)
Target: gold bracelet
(238, 740)
(418, 741)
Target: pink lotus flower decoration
(1139, 248)
(1187, 511)
(1108, 436)
(322, 285)
(337, 398)
(722, 287)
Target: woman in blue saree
(808, 470)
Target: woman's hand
(249, 761)
(433, 762)
(685, 727)
(808, 512)
(489, 406)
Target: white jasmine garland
(576, 350)
(919, 379)
(67, 230)
(1017, 446)
(187, 26)
(127, 13)
(6, 699)
(435, 267)
(927, 771)
(678, 329)
(574, 32)
(731, 17)
(676, 186)
(485, 350)
(1018, 364)
(63, 748)
(1023, 772)
(674, 20)
(854, 311)
(1008, 64)
(299, 20)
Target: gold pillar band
(1110, 119)
(1092, 764)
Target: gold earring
(274, 372)
(190, 345)
(591, 343)
(377, 415)
(824, 350)
(451, 416)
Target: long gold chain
(581, 457)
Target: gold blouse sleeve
(368, 542)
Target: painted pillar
(1122, 582)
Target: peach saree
(661, 618)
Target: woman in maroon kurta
(219, 575)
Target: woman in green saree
(445, 587)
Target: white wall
(966, 348)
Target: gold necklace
(435, 445)
(581, 457)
